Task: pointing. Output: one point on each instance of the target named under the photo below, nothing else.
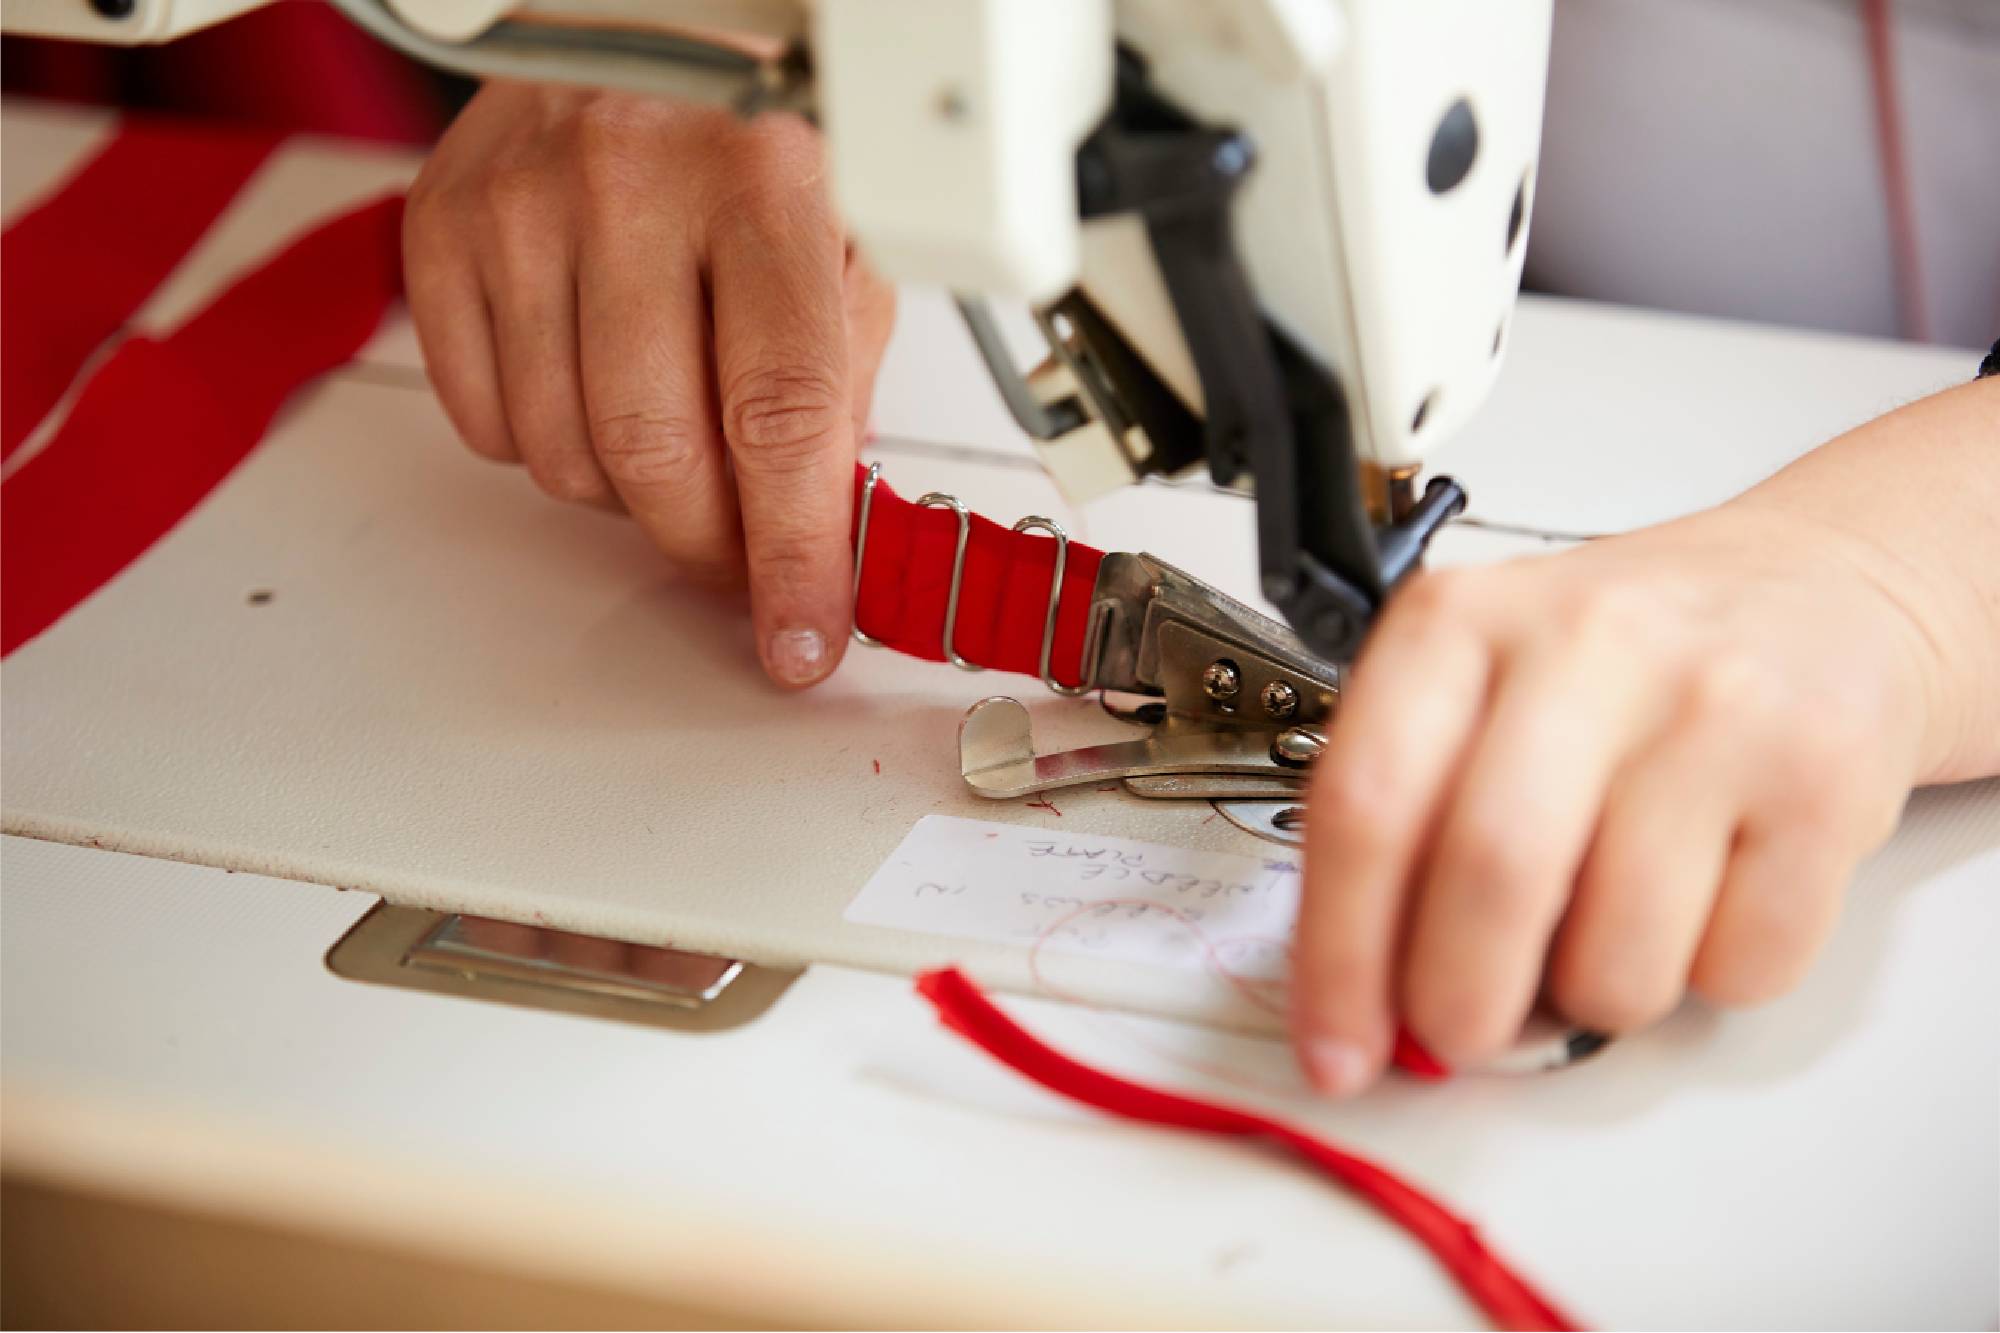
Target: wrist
(1886, 616)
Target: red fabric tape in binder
(1003, 599)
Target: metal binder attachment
(1240, 713)
(1238, 704)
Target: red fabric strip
(80, 263)
(1508, 1299)
(162, 422)
(1003, 597)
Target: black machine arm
(1271, 408)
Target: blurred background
(1824, 163)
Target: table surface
(1829, 1160)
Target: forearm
(1916, 495)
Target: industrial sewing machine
(1277, 240)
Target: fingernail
(797, 656)
(1337, 1068)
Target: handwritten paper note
(1084, 893)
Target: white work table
(168, 1031)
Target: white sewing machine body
(1219, 209)
(952, 128)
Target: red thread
(1044, 804)
(79, 264)
(1508, 1299)
(162, 422)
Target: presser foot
(1254, 777)
(1234, 705)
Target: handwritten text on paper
(1084, 893)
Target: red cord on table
(1508, 1299)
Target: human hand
(652, 307)
(1605, 776)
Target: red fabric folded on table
(80, 263)
(162, 422)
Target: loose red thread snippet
(162, 422)
(1508, 1299)
(80, 263)
(1003, 598)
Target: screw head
(1220, 680)
(1232, 157)
(1280, 699)
(1297, 747)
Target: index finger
(1405, 718)
(781, 365)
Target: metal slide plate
(535, 967)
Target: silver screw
(1220, 681)
(1280, 699)
(1296, 747)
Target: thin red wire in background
(1912, 303)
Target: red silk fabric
(1508, 1299)
(162, 422)
(79, 264)
(1003, 598)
